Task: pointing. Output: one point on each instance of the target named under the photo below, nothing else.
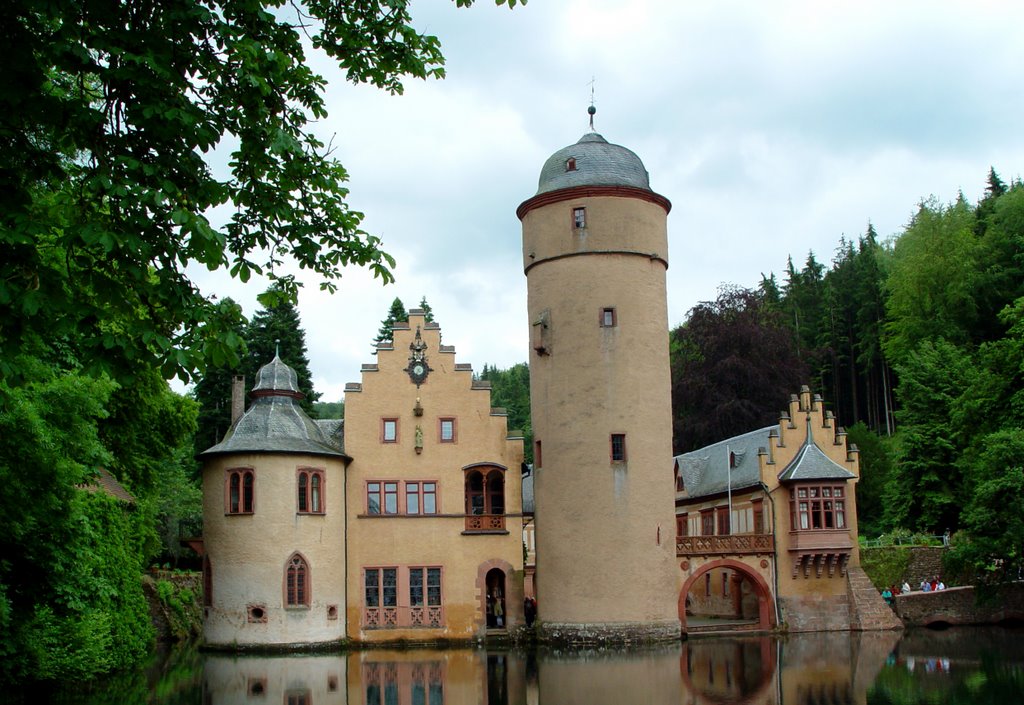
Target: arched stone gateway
(761, 590)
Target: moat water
(961, 666)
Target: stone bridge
(958, 605)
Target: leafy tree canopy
(109, 122)
(734, 365)
(932, 280)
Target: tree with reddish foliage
(734, 365)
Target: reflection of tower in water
(729, 670)
(818, 668)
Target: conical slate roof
(597, 163)
(275, 423)
(811, 463)
(276, 376)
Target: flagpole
(728, 465)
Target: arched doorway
(497, 614)
(728, 590)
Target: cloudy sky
(774, 128)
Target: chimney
(237, 397)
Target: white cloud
(774, 128)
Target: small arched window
(570, 164)
(310, 488)
(240, 491)
(297, 584)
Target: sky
(774, 128)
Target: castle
(406, 521)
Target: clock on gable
(418, 368)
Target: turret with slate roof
(273, 488)
(275, 423)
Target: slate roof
(598, 163)
(705, 471)
(275, 423)
(277, 376)
(811, 463)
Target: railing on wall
(395, 617)
(722, 545)
(485, 522)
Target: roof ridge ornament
(591, 110)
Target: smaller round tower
(273, 524)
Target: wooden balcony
(733, 544)
(485, 524)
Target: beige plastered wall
(386, 392)
(248, 553)
(605, 531)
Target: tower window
(240, 491)
(570, 164)
(608, 318)
(618, 447)
(310, 491)
(579, 218)
(297, 582)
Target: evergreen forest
(916, 342)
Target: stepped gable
(811, 463)
(275, 423)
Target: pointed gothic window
(297, 585)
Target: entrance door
(497, 615)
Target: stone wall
(815, 613)
(925, 562)
(868, 611)
(959, 606)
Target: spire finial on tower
(277, 347)
(591, 110)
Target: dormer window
(570, 164)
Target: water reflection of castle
(804, 669)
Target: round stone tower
(274, 524)
(595, 250)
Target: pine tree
(276, 327)
(396, 313)
(428, 313)
(277, 330)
